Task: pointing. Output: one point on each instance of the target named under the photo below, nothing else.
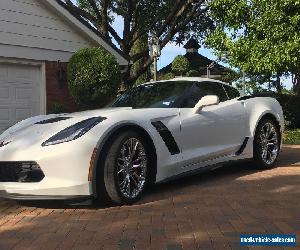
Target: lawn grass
(292, 137)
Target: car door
(214, 132)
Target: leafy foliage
(58, 108)
(291, 109)
(292, 137)
(254, 83)
(193, 73)
(93, 77)
(180, 65)
(261, 37)
(167, 76)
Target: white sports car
(150, 134)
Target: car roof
(192, 79)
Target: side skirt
(205, 166)
(201, 170)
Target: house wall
(57, 92)
(26, 24)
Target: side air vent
(242, 148)
(167, 137)
(53, 120)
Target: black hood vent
(53, 120)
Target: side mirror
(206, 101)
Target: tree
(167, 76)
(180, 65)
(140, 45)
(93, 77)
(261, 37)
(169, 20)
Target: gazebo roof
(199, 63)
(192, 44)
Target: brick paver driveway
(206, 211)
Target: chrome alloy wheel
(132, 168)
(269, 143)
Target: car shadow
(229, 172)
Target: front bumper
(65, 168)
(36, 191)
(23, 197)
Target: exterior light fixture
(155, 52)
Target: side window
(213, 88)
(191, 96)
(231, 92)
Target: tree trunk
(296, 83)
(297, 87)
(278, 83)
(126, 78)
(140, 45)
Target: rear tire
(266, 144)
(126, 168)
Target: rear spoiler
(258, 94)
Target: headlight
(73, 132)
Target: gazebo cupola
(192, 46)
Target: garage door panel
(23, 113)
(22, 94)
(4, 114)
(5, 117)
(4, 93)
(19, 93)
(20, 73)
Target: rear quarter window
(231, 92)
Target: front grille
(23, 172)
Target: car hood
(30, 125)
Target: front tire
(125, 170)
(266, 144)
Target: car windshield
(156, 95)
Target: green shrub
(291, 109)
(292, 137)
(193, 73)
(167, 76)
(93, 77)
(57, 108)
(180, 65)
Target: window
(191, 97)
(231, 92)
(213, 88)
(200, 89)
(156, 95)
(170, 94)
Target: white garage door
(19, 93)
